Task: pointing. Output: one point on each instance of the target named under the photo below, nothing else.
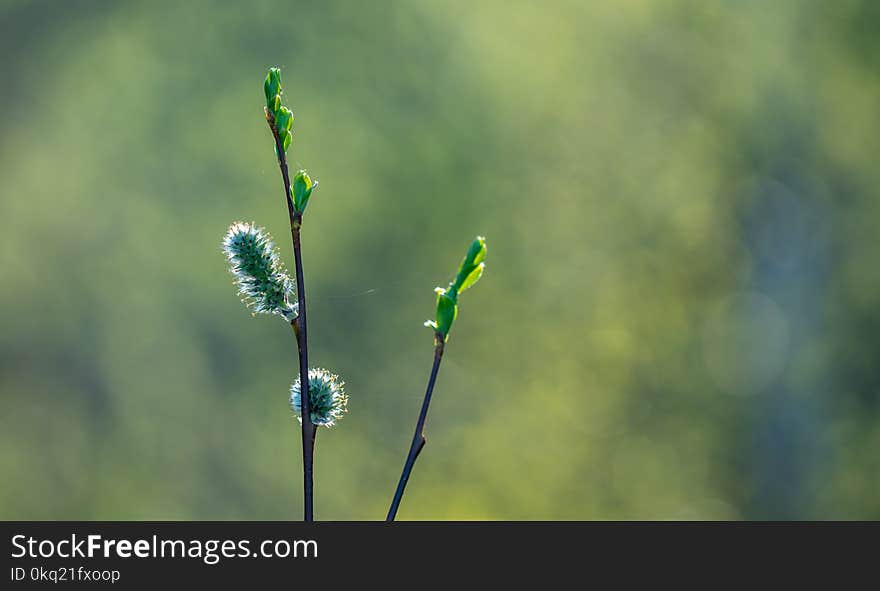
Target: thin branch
(299, 326)
(308, 427)
(418, 441)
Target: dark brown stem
(308, 427)
(299, 326)
(418, 441)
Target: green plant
(266, 288)
(469, 272)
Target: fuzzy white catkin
(264, 285)
(328, 401)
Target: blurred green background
(680, 316)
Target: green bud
(471, 268)
(447, 310)
(283, 120)
(472, 277)
(469, 272)
(272, 87)
(285, 139)
(477, 252)
(302, 190)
